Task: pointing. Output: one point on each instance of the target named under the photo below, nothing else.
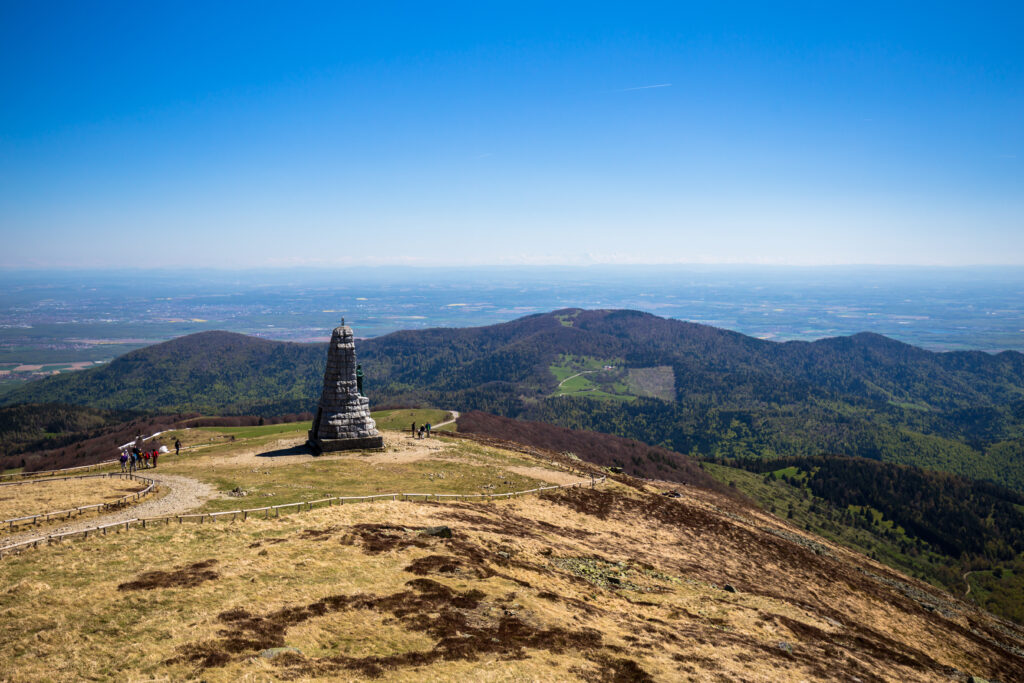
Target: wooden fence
(51, 473)
(74, 512)
(275, 511)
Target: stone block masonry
(343, 419)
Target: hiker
(428, 430)
(133, 460)
(124, 461)
(177, 446)
(413, 429)
(422, 429)
(156, 454)
(145, 460)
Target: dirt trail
(183, 494)
(585, 372)
(968, 591)
(455, 416)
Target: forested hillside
(942, 528)
(26, 427)
(213, 372)
(734, 396)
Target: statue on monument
(359, 379)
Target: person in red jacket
(145, 460)
(156, 454)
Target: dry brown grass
(612, 584)
(48, 496)
(359, 593)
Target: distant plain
(61, 317)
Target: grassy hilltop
(612, 583)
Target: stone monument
(343, 421)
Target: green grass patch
(458, 467)
(351, 477)
(401, 420)
(999, 590)
(386, 419)
(790, 472)
(262, 430)
(587, 377)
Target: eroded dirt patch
(434, 564)
(183, 577)
(461, 624)
(381, 538)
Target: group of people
(424, 431)
(137, 459)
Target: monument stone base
(332, 445)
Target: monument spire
(343, 419)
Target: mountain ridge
(734, 395)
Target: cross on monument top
(343, 322)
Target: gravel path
(455, 416)
(184, 494)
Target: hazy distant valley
(50, 321)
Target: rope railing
(275, 511)
(72, 512)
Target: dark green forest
(27, 427)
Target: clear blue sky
(265, 134)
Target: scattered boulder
(439, 531)
(271, 653)
(729, 588)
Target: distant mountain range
(692, 388)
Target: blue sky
(285, 134)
